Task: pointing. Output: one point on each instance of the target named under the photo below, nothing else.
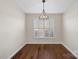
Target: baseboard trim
(17, 51)
(31, 43)
(43, 42)
(70, 50)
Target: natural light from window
(42, 28)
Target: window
(42, 28)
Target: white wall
(13, 25)
(70, 26)
(11, 28)
(58, 30)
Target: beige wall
(29, 33)
(16, 28)
(70, 26)
(11, 28)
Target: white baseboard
(31, 43)
(17, 51)
(43, 42)
(70, 50)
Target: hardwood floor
(43, 51)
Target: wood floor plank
(43, 51)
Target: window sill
(44, 37)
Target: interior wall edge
(43, 43)
(17, 51)
(70, 50)
(31, 43)
(46, 13)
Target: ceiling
(51, 6)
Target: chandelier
(43, 16)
